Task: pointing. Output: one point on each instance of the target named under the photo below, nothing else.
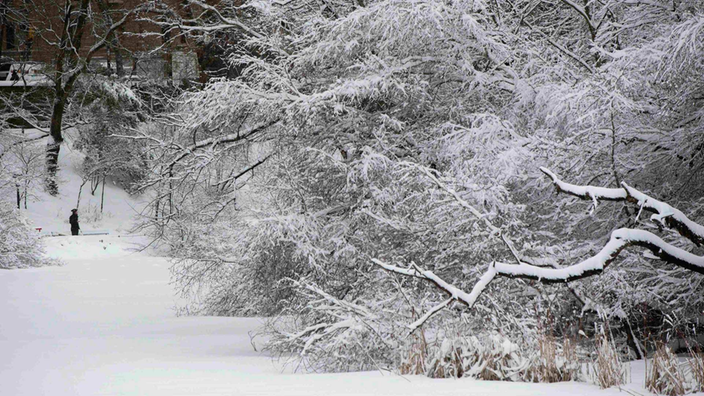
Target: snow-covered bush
(323, 335)
(20, 245)
(401, 144)
(664, 375)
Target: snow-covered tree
(385, 132)
(20, 246)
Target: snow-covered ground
(104, 324)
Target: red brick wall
(45, 21)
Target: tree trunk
(78, 200)
(94, 183)
(54, 145)
(102, 195)
(119, 61)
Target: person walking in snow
(73, 220)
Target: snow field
(106, 326)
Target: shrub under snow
(20, 246)
(496, 358)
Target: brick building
(30, 34)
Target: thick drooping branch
(664, 213)
(620, 240)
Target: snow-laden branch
(664, 213)
(561, 48)
(215, 141)
(586, 192)
(620, 239)
(456, 196)
(455, 293)
(582, 11)
(224, 22)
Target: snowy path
(105, 326)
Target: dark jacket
(73, 220)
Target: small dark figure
(73, 220)
(15, 76)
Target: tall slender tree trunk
(102, 195)
(119, 61)
(78, 200)
(53, 145)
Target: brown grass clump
(491, 358)
(448, 361)
(696, 365)
(555, 362)
(413, 360)
(607, 370)
(664, 375)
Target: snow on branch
(586, 192)
(620, 239)
(664, 213)
(215, 141)
(455, 293)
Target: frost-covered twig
(212, 142)
(495, 230)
